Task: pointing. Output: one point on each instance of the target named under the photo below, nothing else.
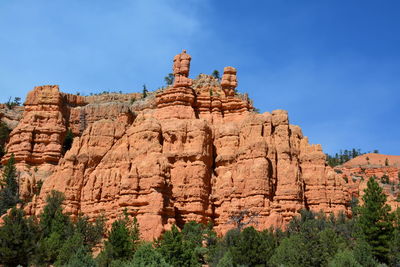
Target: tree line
(345, 155)
(371, 237)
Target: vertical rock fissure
(195, 105)
(82, 119)
(272, 180)
(305, 200)
(276, 176)
(33, 141)
(212, 174)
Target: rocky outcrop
(82, 117)
(385, 168)
(11, 116)
(37, 140)
(112, 98)
(196, 151)
(38, 137)
(372, 164)
(229, 81)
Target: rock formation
(229, 81)
(385, 168)
(38, 137)
(11, 116)
(181, 70)
(195, 151)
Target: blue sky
(333, 64)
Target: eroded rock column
(178, 100)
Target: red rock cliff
(195, 151)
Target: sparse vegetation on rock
(144, 91)
(169, 79)
(13, 103)
(9, 194)
(215, 74)
(68, 139)
(343, 156)
(4, 133)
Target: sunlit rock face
(195, 150)
(384, 168)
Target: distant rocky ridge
(385, 168)
(193, 151)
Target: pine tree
(70, 247)
(9, 186)
(90, 232)
(145, 91)
(344, 258)
(375, 221)
(215, 74)
(122, 242)
(394, 254)
(52, 219)
(4, 133)
(169, 80)
(81, 258)
(253, 247)
(74, 252)
(55, 228)
(146, 255)
(18, 236)
(186, 247)
(363, 254)
(175, 250)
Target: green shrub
(4, 134)
(68, 140)
(177, 250)
(81, 258)
(385, 179)
(253, 247)
(147, 256)
(18, 237)
(122, 242)
(292, 252)
(344, 258)
(9, 187)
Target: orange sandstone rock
(38, 137)
(181, 70)
(11, 117)
(187, 154)
(229, 81)
(357, 171)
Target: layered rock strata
(385, 168)
(39, 135)
(37, 140)
(200, 154)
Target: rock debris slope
(195, 150)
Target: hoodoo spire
(181, 69)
